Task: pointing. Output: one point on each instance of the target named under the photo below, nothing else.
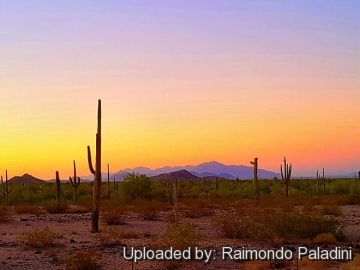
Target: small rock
(38, 252)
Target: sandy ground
(74, 234)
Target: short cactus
(58, 191)
(256, 180)
(6, 187)
(286, 176)
(75, 183)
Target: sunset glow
(180, 83)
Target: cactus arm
(89, 161)
(282, 176)
(78, 182)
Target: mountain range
(213, 168)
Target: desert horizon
(179, 135)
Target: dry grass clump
(30, 209)
(352, 265)
(77, 209)
(39, 238)
(325, 238)
(197, 208)
(149, 210)
(52, 207)
(84, 259)
(331, 209)
(110, 237)
(170, 217)
(234, 224)
(179, 237)
(114, 215)
(4, 215)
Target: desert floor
(74, 234)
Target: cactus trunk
(108, 182)
(75, 183)
(58, 191)
(286, 176)
(97, 174)
(255, 180)
(6, 188)
(173, 189)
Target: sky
(181, 83)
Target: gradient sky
(181, 82)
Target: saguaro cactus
(97, 174)
(217, 187)
(6, 187)
(116, 186)
(173, 189)
(75, 183)
(286, 176)
(255, 180)
(58, 191)
(320, 180)
(108, 182)
(206, 188)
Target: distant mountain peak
(181, 175)
(26, 179)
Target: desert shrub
(52, 207)
(325, 238)
(78, 209)
(84, 259)
(197, 208)
(340, 187)
(29, 209)
(39, 238)
(304, 225)
(114, 215)
(4, 215)
(233, 224)
(170, 217)
(110, 237)
(330, 209)
(149, 210)
(308, 207)
(179, 237)
(137, 186)
(270, 223)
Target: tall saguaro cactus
(58, 191)
(116, 186)
(108, 183)
(174, 192)
(75, 183)
(217, 187)
(286, 176)
(6, 187)
(97, 174)
(320, 180)
(206, 188)
(256, 180)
